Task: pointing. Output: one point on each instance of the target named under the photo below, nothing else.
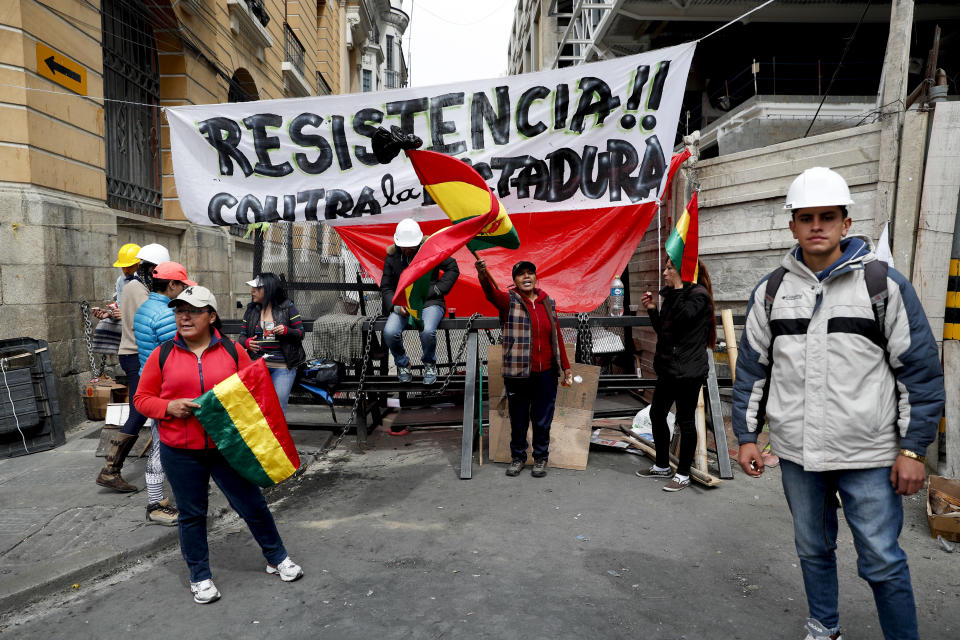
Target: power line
(846, 49)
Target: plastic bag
(642, 426)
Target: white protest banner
(594, 135)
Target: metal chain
(585, 339)
(356, 401)
(460, 351)
(363, 374)
(87, 336)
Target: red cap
(172, 271)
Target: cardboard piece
(117, 413)
(572, 419)
(100, 392)
(947, 526)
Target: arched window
(131, 87)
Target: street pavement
(395, 545)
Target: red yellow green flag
(466, 199)
(243, 417)
(416, 294)
(462, 194)
(683, 244)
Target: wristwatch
(911, 454)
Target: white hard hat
(818, 187)
(408, 233)
(154, 253)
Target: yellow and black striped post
(951, 321)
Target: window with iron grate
(131, 87)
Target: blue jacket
(153, 325)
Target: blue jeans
(130, 363)
(393, 335)
(189, 472)
(874, 513)
(283, 382)
(529, 400)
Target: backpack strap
(231, 348)
(875, 274)
(165, 350)
(773, 283)
(228, 344)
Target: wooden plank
(951, 373)
(716, 418)
(700, 420)
(938, 214)
(646, 446)
(790, 148)
(913, 147)
(469, 398)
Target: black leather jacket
(440, 285)
(683, 326)
(291, 343)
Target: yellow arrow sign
(61, 69)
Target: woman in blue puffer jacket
(153, 325)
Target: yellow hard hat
(127, 256)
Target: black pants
(130, 364)
(684, 392)
(529, 400)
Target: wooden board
(572, 419)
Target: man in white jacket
(838, 357)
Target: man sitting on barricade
(407, 239)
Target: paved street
(395, 545)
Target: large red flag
(577, 252)
(463, 195)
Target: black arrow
(55, 66)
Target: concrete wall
(57, 249)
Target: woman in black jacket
(273, 330)
(685, 326)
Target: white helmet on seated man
(407, 234)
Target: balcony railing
(295, 51)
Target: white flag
(883, 246)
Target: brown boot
(109, 476)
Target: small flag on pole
(243, 417)
(683, 244)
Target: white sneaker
(816, 631)
(288, 570)
(204, 592)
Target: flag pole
(489, 275)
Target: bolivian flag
(463, 195)
(682, 246)
(243, 417)
(416, 295)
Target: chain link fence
(330, 287)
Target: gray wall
(56, 250)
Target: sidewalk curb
(103, 567)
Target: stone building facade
(85, 162)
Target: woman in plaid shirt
(533, 358)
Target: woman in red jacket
(199, 359)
